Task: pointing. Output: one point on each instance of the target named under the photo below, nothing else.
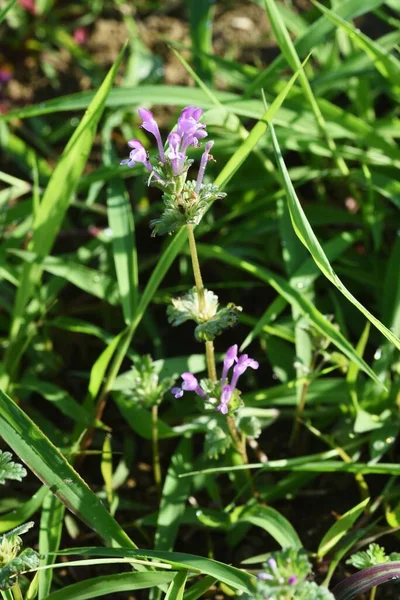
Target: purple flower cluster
(189, 132)
(241, 363)
(292, 580)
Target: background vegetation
(305, 241)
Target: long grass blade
(305, 233)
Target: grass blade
(384, 62)
(174, 496)
(274, 523)
(307, 236)
(51, 467)
(55, 201)
(340, 528)
(110, 584)
(289, 51)
(51, 524)
(307, 308)
(6, 9)
(177, 587)
(120, 218)
(236, 578)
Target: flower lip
(150, 124)
(177, 392)
(190, 382)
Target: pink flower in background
(29, 5)
(81, 35)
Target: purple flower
(204, 160)
(137, 155)
(292, 580)
(189, 129)
(190, 384)
(177, 158)
(271, 561)
(265, 576)
(150, 125)
(243, 363)
(229, 360)
(224, 400)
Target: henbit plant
(14, 560)
(185, 203)
(334, 217)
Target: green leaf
(321, 323)
(274, 523)
(120, 218)
(139, 419)
(98, 587)
(174, 496)
(89, 280)
(306, 235)
(24, 512)
(177, 587)
(54, 204)
(288, 49)
(50, 466)
(26, 560)
(51, 525)
(314, 34)
(198, 589)
(239, 580)
(10, 469)
(340, 528)
(387, 64)
(5, 10)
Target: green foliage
(302, 256)
(211, 321)
(216, 442)
(13, 560)
(373, 555)
(284, 578)
(143, 384)
(184, 207)
(10, 469)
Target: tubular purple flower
(224, 400)
(271, 561)
(177, 158)
(243, 363)
(189, 129)
(177, 392)
(203, 163)
(150, 125)
(190, 384)
(265, 576)
(229, 360)
(137, 155)
(292, 580)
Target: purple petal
(190, 382)
(145, 115)
(223, 408)
(177, 392)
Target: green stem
(373, 593)
(210, 357)
(196, 268)
(16, 591)
(156, 453)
